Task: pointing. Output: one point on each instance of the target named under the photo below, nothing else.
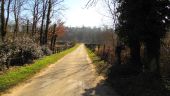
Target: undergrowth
(100, 65)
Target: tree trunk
(47, 22)
(118, 54)
(33, 27)
(51, 46)
(103, 52)
(34, 18)
(41, 31)
(53, 39)
(6, 21)
(135, 54)
(33, 24)
(27, 26)
(98, 50)
(16, 10)
(16, 28)
(3, 32)
(42, 24)
(152, 58)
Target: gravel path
(73, 75)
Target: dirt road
(73, 75)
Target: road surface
(73, 75)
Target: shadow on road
(101, 89)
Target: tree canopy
(143, 21)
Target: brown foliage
(58, 29)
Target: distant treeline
(89, 35)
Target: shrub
(6, 50)
(3, 59)
(19, 51)
(46, 50)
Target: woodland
(135, 51)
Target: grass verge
(13, 77)
(101, 66)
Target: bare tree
(3, 32)
(27, 26)
(47, 21)
(36, 16)
(44, 3)
(112, 9)
(17, 4)
(112, 6)
(49, 7)
(8, 12)
(53, 38)
(91, 3)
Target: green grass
(13, 77)
(93, 56)
(101, 66)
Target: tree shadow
(101, 89)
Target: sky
(77, 15)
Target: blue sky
(77, 15)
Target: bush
(18, 52)
(6, 50)
(46, 50)
(3, 59)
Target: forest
(133, 55)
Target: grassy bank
(13, 77)
(101, 66)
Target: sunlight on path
(73, 75)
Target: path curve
(73, 75)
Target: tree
(17, 5)
(112, 9)
(42, 22)
(58, 30)
(127, 29)
(27, 30)
(3, 32)
(36, 16)
(53, 38)
(156, 25)
(49, 6)
(8, 13)
(47, 21)
(143, 21)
